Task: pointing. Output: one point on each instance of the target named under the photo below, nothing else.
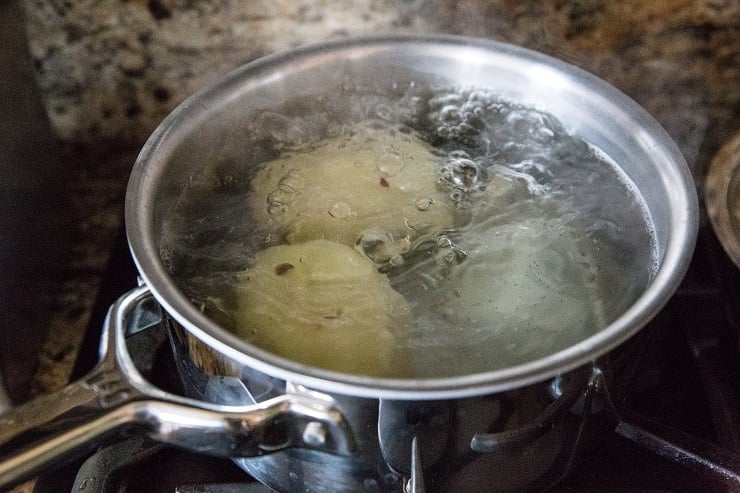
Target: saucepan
(300, 426)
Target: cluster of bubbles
(476, 134)
(285, 192)
(382, 249)
(463, 177)
(459, 116)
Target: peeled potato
(525, 289)
(323, 304)
(369, 181)
(528, 277)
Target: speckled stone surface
(110, 70)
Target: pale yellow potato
(323, 304)
(523, 292)
(369, 181)
(528, 277)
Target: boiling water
(543, 243)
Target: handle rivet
(314, 434)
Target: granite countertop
(110, 70)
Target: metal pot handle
(57, 428)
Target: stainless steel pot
(307, 429)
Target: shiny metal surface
(416, 481)
(532, 432)
(584, 104)
(722, 188)
(703, 457)
(61, 426)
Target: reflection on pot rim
(722, 189)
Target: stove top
(676, 391)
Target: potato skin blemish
(281, 269)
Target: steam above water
(508, 238)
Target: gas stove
(676, 398)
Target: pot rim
(145, 252)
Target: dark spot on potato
(281, 269)
(333, 316)
(384, 182)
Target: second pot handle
(60, 427)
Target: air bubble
(340, 210)
(424, 204)
(396, 260)
(274, 208)
(463, 177)
(334, 129)
(464, 173)
(380, 247)
(286, 130)
(448, 252)
(285, 192)
(390, 163)
(460, 115)
(384, 112)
